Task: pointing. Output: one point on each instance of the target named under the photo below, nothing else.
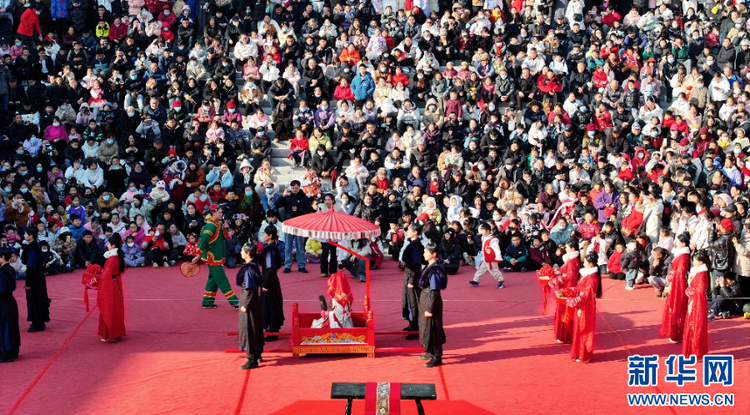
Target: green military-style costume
(211, 250)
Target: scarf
(247, 202)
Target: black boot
(435, 361)
(251, 364)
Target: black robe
(10, 335)
(412, 258)
(37, 300)
(273, 302)
(251, 322)
(431, 333)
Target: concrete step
(281, 162)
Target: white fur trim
(680, 251)
(110, 253)
(570, 255)
(588, 271)
(698, 269)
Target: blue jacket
(561, 236)
(227, 181)
(76, 233)
(519, 253)
(363, 87)
(272, 204)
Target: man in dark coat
(431, 333)
(273, 302)
(251, 307)
(37, 300)
(295, 203)
(10, 336)
(412, 258)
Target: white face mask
(130, 244)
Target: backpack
(376, 256)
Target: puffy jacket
(363, 86)
(371, 213)
(505, 86)
(723, 251)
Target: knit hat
(590, 127)
(161, 184)
(177, 104)
(231, 104)
(727, 224)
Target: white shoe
(639, 278)
(629, 287)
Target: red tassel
(86, 297)
(545, 292)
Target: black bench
(409, 391)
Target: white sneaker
(639, 278)
(629, 287)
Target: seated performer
(339, 313)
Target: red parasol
(331, 225)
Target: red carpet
(500, 355)
(358, 407)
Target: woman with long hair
(250, 336)
(695, 337)
(675, 307)
(109, 298)
(589, 288)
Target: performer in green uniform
(211, 251)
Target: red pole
(367, 270)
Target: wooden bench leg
(348, 409)
(420, 409)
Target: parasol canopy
(331, 225)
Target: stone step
(281, 162)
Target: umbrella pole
(367, 270)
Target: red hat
(590, 127)
(727, 224)
(703, 130)
(684, 142)
(171, 153)
(231, 104)
(423, 217)
(176, 103)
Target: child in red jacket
(613, 265)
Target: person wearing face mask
(107, 150)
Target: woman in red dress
(695, 340)
(675, 307)
(568, 278)
(109, 298)
(584, 306)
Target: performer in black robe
(251, 307)
(37, 300)
(273, 302)
(412, 258)
(10, 334)
(433, 280)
